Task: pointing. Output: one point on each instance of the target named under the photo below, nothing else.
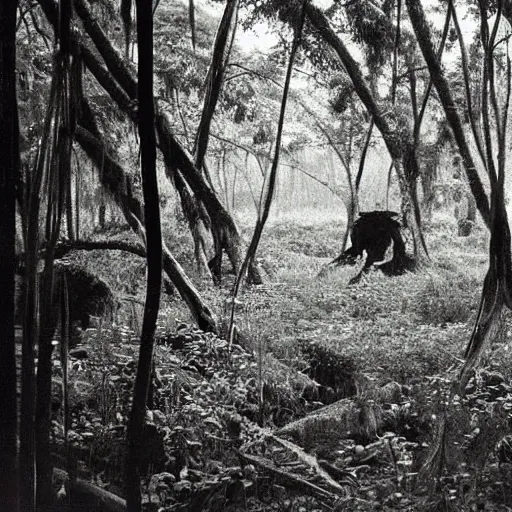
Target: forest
(255, 255)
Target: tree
(136, 421)
(9, 178)
(270, 185)
(119, 186)
(225, 234)
(119, 83)
(52, 182)
(397, 137)
(497, 287)
(398, 141)
(424, 39)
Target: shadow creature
(375, 233)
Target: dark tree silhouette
(135, 430)
(376, 232)
(9, 171)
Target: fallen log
(289, 480)
(86, 496)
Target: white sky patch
(258, 38)
(261, 38)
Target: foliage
(337, 374)
(370, 26)
(401, 335)
(205, 403)
(447, 299)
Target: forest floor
(386, 347)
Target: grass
(408, 330)
(395, 328)
(400, 328)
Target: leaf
(180, 486)
(183, 474)
(214, 422)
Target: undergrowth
(306, 341)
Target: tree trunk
(48, 311)
(214, 82)
(388, 184)
(118, 185)
(423, 35)
(115, 63)
(225, 235)
(467, 216)
(77, 204)
(411, 214)
(9, 176)
(405, 168)
(351, 217)
(69, 212)
(364, 152)
(135, 431)
(224, 173)
(101, 215)
(428, 177)
(197, 218)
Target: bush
(336, 373)
(447, 299)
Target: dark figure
(374, 232)
(88, 296)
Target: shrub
(331, 370)
(447, 299)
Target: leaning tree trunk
(135, 431)
(198, 220)
(226, 235)
(9, 175)
(424, 38)
(122, 87)
(119, 186)
(215, 78)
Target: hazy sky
(261, 38)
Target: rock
(391, 393)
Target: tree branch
(424, 38)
